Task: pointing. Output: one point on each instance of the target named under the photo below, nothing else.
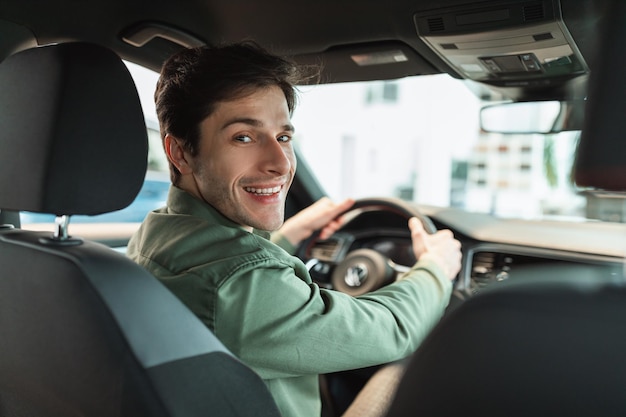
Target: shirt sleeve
(283, 326)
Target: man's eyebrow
(254, 123)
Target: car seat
(542, 344)
(84, 330)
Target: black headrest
(550, 343)
(73, 138)
(601, 157)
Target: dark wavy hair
(194, 80)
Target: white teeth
(263, 191)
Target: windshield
(419, 139)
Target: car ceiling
(325, 31)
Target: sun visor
(364, 62)
(601, 157)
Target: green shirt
(261, 303)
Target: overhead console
(504, 44)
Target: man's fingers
(339, 209)
(417, 236)
(330, 228)
(347, 203)
(415, 224)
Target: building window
(382, 92)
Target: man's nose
(277, 157)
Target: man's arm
(290, 327)
(323, 215)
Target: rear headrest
(601, 157)
(73, 138)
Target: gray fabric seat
(85, 331)
(551, 348)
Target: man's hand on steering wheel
(323, 218)
(323, 215)
(441, 247)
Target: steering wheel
(345, 263)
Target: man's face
(246, 163)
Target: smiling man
(225, 120)
(253, 128)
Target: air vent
(448, 46)
(489, 267)
(325, 250)
(543, 37)
(533, 11)
(436, 24)
(483, 264)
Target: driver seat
(84, 330)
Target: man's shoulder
(186, 243)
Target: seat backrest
(530, 349)
(84, 330)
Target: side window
(156, 157)
(153, 193)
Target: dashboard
(495, 251)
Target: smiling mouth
(264, 191)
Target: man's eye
(243, 139)
(284, 138)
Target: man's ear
(177, 155)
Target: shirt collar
(180, 201)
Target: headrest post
(61, 224)
(60, 235)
